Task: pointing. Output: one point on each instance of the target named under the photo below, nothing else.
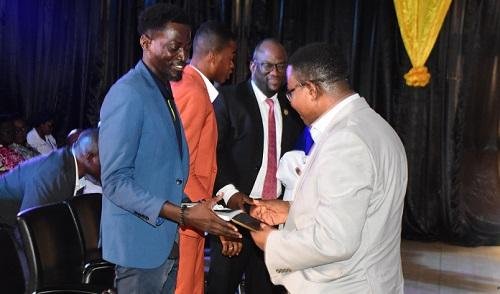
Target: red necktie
(269, 190)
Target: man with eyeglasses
(255, 125)
(342, 232)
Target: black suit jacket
(241, 135)
(44, 179)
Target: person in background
(9, 158)
(40, 137)
(214, 48)
(144, 159)
(88, 183)
(20, 145)
(342, 232)
(255, 125)
(54, 177)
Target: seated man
(52, 178)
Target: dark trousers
(226, 272)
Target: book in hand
(238, 217)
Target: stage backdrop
(62, 57)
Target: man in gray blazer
(342, 231)
(50, 178)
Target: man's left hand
(260, 237)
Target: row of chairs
(61, 247)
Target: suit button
(178, 181)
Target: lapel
(161, 106)
(286, 121)
(252, 106)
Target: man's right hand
(238, 201)
(271, 212)
(202, 217)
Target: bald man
(214, 48)
(52, 178)
(249, 116)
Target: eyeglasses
(268, 67)
(289, 93)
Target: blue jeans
(148, 281)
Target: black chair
(54, 252)
(86, 211)
(11, 273)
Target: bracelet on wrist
(181, 218)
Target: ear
(145, 42)
(253, 66)
(312, 90)
(212, 57)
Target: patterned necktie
(269, 190)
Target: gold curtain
(419, 23)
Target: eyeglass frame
(289, 93)
(276, 66)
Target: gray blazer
(343, 230)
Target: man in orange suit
(214, 48)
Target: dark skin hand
(230, 246)
(201, 217)
(238, 201)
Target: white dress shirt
(43, 146)
(212, 91)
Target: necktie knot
(270, 102)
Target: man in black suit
(255, 126)
(51, 178)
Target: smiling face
(273, 55)
(165, 51)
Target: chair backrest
(86, 210)
(11, 273)
(52, 245)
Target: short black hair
(157, 16)
(212, 36)
(322, 62)
(41, 118)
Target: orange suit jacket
(198, 118)
(200, 126)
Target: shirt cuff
(228, 191)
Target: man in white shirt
(40, 137)
(342, 232)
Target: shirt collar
(260, 96)
(77, 180)
(320, 124)
(212, 91)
